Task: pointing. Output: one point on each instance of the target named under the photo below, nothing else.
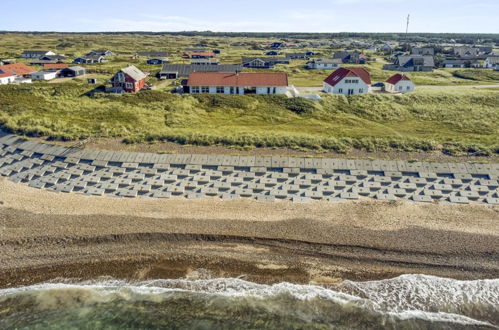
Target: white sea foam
(405, 297)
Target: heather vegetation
(455, 121)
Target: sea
(404, 302)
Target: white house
(491, 62)
(36, 53)
(44, 75)
(14, 73)
(399, 83)
(238, 83)
(324, 64)
(348, 81)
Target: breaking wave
(408, 301)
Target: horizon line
(242, 32)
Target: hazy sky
(255, 15)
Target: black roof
(185, 69)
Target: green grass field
(126, 45)
(455, 121)
(461, 121)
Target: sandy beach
(45, 235)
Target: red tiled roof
(341, 73)
(55, 66)
(396, 78)
(15, 69)
(245, 79)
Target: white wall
(259, 90)
(325, 66)
(44, 75)
(403, 86)
(342, 87)
(6, 80)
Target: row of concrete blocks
(321, 190)
(102, 158)
(298, 195)
(35, 168)
(17, 163)
(19, 166)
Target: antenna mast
(407, 29)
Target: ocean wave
(407, 297)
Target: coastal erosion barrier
(194, 176)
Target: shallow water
(405, 302)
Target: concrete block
(492, 201)
(349, 195)
(422, 198)
(386, 197)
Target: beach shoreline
(46, 235)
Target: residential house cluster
(357, 80)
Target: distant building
(454, 63)
(100, 52)
(128, 80)
(465, 51)
(56, 57)
(272, 53)
(408, 63)
(263, 62)
(54, 66)
(36, 53)
(199, 55)
(73, 71)
(157, 60)
(44, 75)
(237, 83)
(174, 71)
(204, 61)
(296, 56)
(399, 83)
(90, 59)
(491, 62)
(43, 62)
(348, 81)
(351, 57)
(277, 45)
(423, 51)
(324, 64)
(15, 73)
(485, 50)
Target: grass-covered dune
(454, 121)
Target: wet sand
(44, 235)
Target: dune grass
(455, 121)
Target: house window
(400, 88)
(408, 87)
(220, 90)
(340, 90)
(121, 77)
(350, 91)
(361, 90)
(194, 90)
(129, 85)
(205, 89)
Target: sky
(476, 16)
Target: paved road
(319, 89)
